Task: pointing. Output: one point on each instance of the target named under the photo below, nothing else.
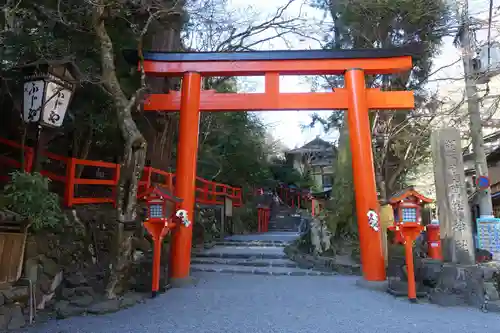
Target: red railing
(296, 197)
(207, 192)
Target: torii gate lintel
(355, 98)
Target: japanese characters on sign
(33, 100)
(454, 192)
(488, 235)
(56, 103)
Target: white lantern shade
(56, 102)
(33, 100)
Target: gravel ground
(268, 304)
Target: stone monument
(453, 208)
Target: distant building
(492, 149)
(316, 157)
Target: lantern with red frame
(158, 223)
(407, 205)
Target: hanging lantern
(47, 91)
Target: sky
(287, 126)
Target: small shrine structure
(407, 205)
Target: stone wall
(449, 284)
(68, 268)
(67, 271)
(457, 285)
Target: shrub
(28, 195)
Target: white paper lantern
(46, 96)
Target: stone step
(243, 252)
(283, 229)
(259, 244)
(273, 236)
(246, 262)
(266, 241)
(235, 269)
(287, 225)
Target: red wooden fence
(207, 192)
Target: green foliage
(233, 149)
(402, 137)
(62, 30)
(245, 218)
(282, 170)
(340, 209)
(28, 195)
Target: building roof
(316, 145)
(408, 192)
(488, 139)
(159, 191)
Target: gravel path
(267, 304)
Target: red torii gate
(355, 98)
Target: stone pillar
(453, 207)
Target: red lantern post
(158, 223)
(410, 231)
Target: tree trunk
(133, 161)
(163, 126)
(381, 187)
(81, 149)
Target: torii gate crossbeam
(355, 98)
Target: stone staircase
(251, 254)
(261, 254)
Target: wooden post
(69, 191)
(28, 158)
(116, 179)
(226, 211)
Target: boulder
(491, 291)
(64, 310)
(50, 267)
(82, 301)
(16, 294)
(104, 306)
(131, 299)
(16, 318)
(76, 279)
(11, 317)
(46, 289)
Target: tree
(104, 119)
(401, 138)
(96, 29)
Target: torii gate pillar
(187, 155)
(372, 255)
